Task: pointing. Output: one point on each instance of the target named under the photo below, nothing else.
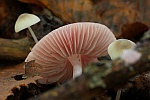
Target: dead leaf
(133, 31)
(112, 13)
(144, 12)
(8, 82)
(116, 13)
(69, 10)
(33, 69)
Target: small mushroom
(65, 51)
(115, 49)
(25, 21)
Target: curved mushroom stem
(77, 65)
(118, 94)
(33, 35)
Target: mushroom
(25, 21)
(115, 49)
(65, 51)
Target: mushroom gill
(66, 50)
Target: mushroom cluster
(65, 51)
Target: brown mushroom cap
(71, 45)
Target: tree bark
(18, 49)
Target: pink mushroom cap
(64, 50)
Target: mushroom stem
(77, 71)
(33, 35)
(118, 94)
(75, 60)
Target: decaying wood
(18, 49)
(115, 74)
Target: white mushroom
(25, 21)
(115, 49)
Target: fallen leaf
(69, 10)
(8, 82)
(116, 13)
(144, 12)
(112, 13)
(133, 31)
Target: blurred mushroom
(130, 56)
(65, 51)
(115, 49)
(25, 21)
